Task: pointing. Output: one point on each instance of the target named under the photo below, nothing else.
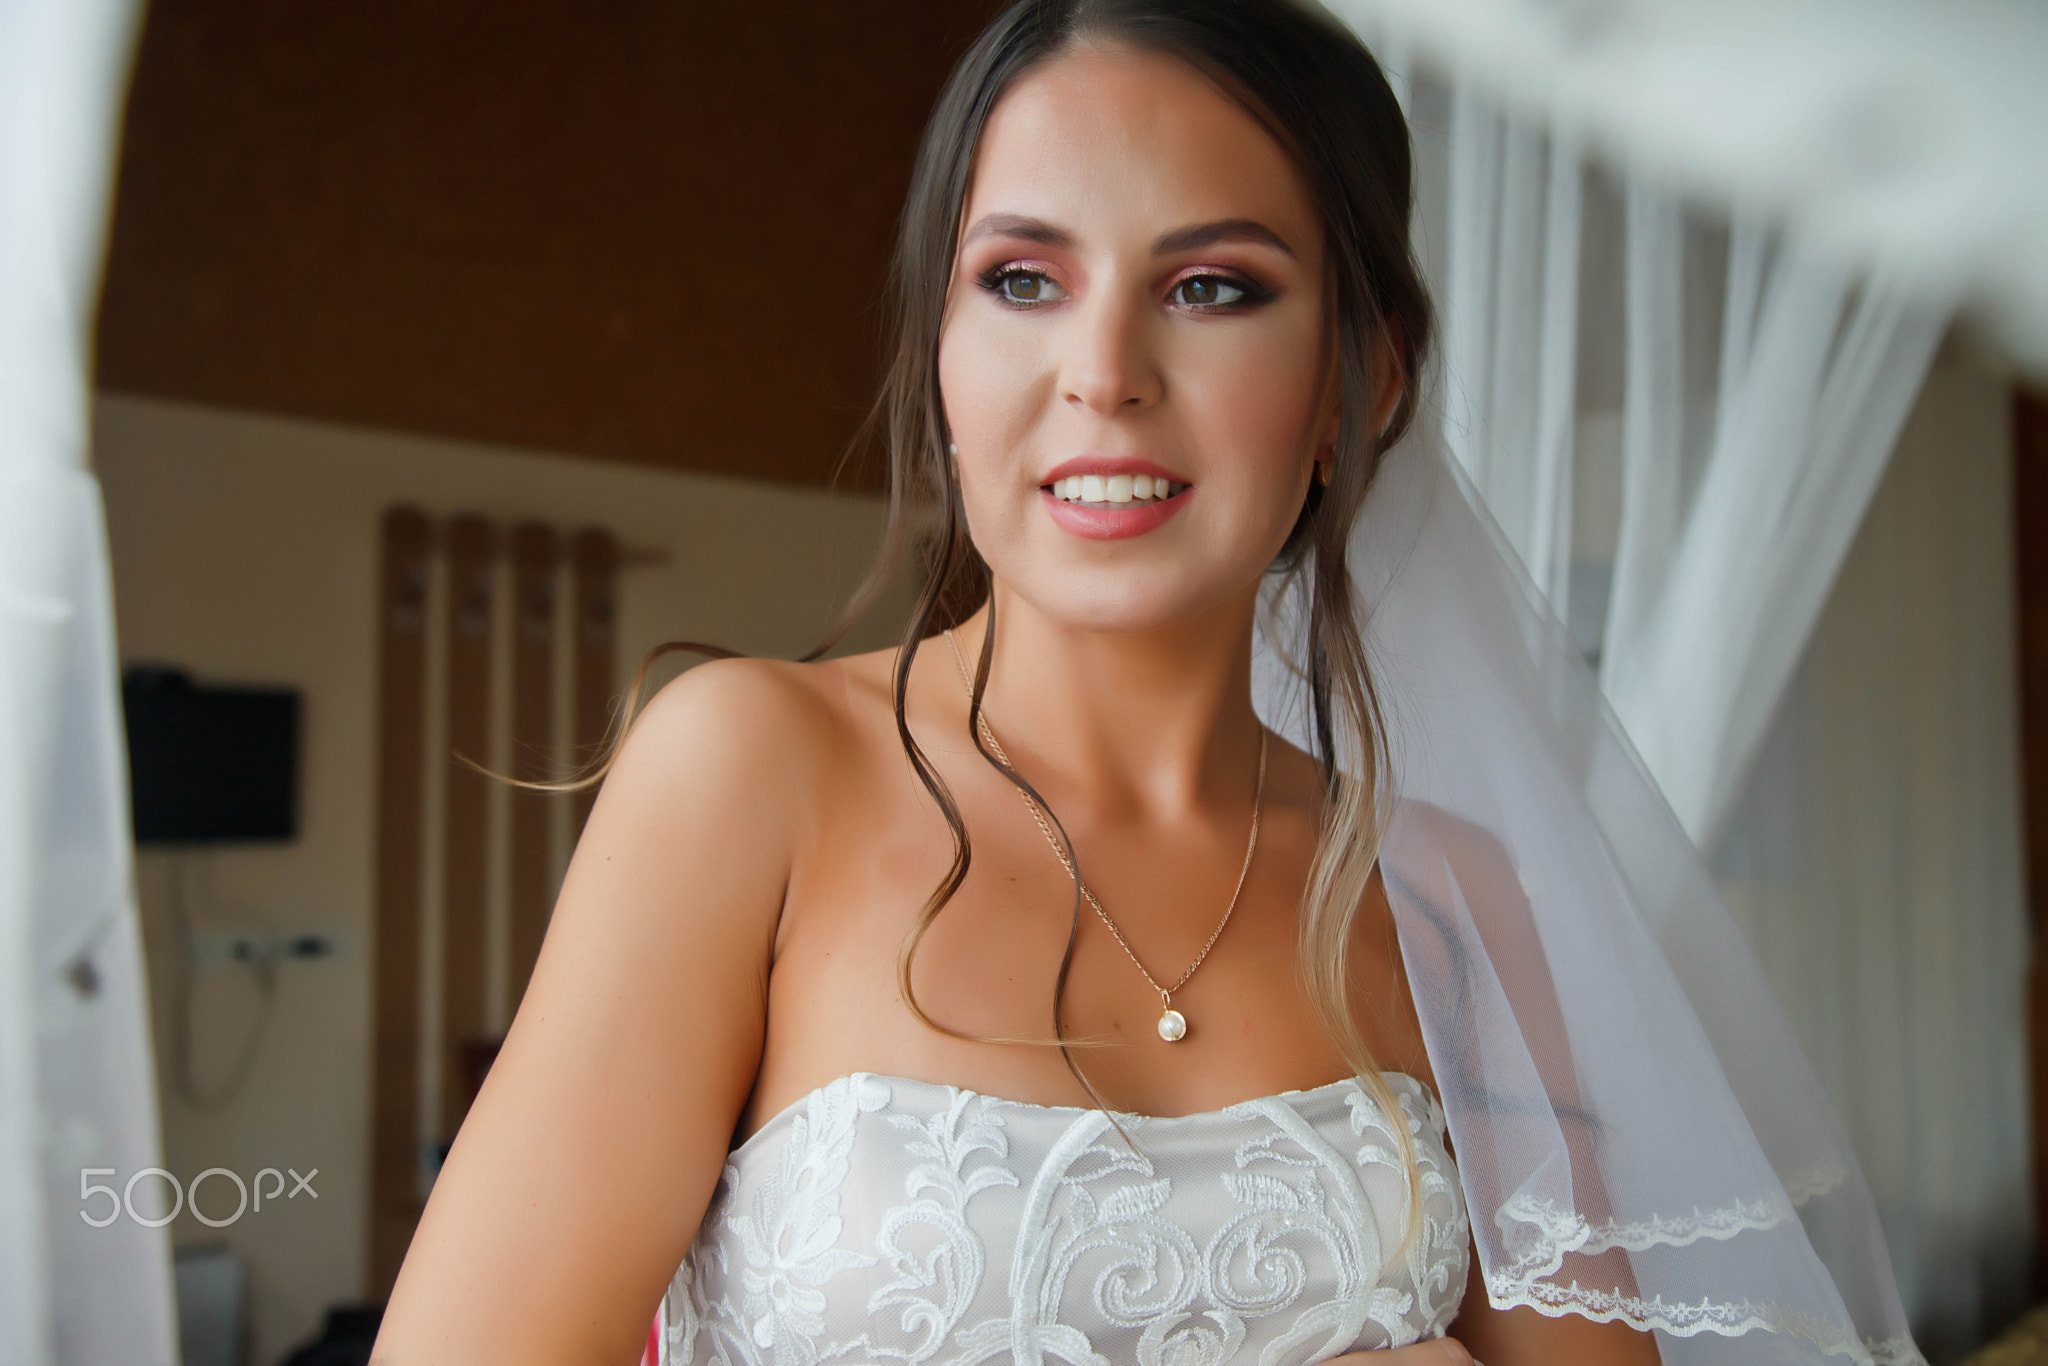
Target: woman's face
(1137, 300)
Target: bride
(1020, 992)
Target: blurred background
(378, 382)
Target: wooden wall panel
(652, 230)
(535, 551)
(395, 1025)
(596, 561)
(472, 549)
(472, 572)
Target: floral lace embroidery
(931, 1291)
(1260, 1232)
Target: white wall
(245, 549)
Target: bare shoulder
(1455, 834)
(612, 1103)
(1443, 860)
(750, 729)
(769, 703)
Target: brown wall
(2030, 536)
(646, 230)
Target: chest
(989, 963)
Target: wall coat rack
(448, 686)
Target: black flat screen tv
(210, 764)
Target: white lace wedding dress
(886, 1220)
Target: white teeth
(1113, 489)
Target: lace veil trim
(1543, 1234)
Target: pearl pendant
(1173, 1026)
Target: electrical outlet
(221, 947)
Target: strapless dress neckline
(1123, 1117)
(887, 1219)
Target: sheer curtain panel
(77, 1080)
(1900, 137)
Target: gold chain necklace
(1173, 1026)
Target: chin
(1123, 602)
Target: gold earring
(1323, 472)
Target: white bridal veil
(1638, 1135)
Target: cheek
(1252, 399)
(992, 384)
(987, 383)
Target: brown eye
(1206, 291)
(1026, 287)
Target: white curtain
(1714, 595)
(1761, 390)
(1898, 135)
(77, 1081)
(1510, 299)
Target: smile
(1109, 498)
(1113, 491)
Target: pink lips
(1110, 523)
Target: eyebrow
(1225, 230)
(1190, 238)
(1017, 225)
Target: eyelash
(1251, 293)
(996, 277)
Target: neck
(1156, 721)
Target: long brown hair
(1315, 88)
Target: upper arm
(1523, 1337)
(580, 1175)
(1461, 870)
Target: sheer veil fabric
(1638, 1134)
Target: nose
(1109, 366)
